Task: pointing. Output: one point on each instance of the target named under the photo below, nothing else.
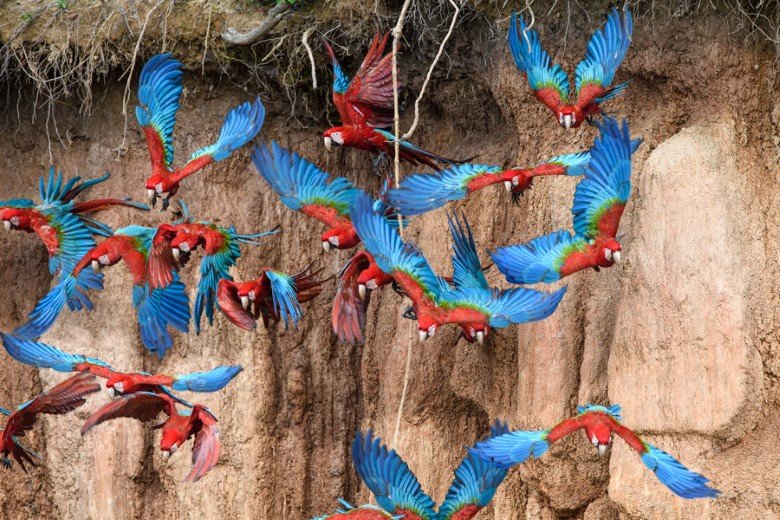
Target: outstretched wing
(349, 309)
(161, 264)
(230, 305)
(143, 406)
(571, 164)
(513, 448)
(606, 50)
(340, 84)
(158, 94)
(467, 270)
(369, 97)
(422, 192)
(158, 308)
(503, 308)
(388, 477)
(284, 295)
(540, 260)
(205, 451)
(48, 308)
(211, 381)
(602, 195)
(45, 356)
(548, 81)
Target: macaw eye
(104, 260)
(251, 295)
(159, 188)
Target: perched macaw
(66, 228)
(592, 77)
(365, 106)
(158, 95)
(274, 296)
(599, 201)
(303, 187)
(434, 302)
(399, 494)
(41, 355)
(599, 423)
(59, 400)
(221, 248)
(176, 430)
(156, 308)
(422, 192)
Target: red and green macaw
(365, 106)
(198, 422)
(274, 296)
(399, 494)
(157, 308)
(599, 201)
(159, 90)
(592, 78)
(470, 304)
(598, 423)
(66, 228)
(173, 244)
(41, 355)
(59, 400)
(303, 187)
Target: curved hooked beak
(362, 291)
(423, 335)
(96, 266)
(616, 257)
(166, 455)
(152, 196)
(176, 253)
(7, 225)
(480, 337)
(111, 392)
(508, 185)
(245, 302)
(567, 121)
(329, 144)
(603, 449)
(326, 246)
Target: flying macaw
(66, 228)
(198, 422)
(434, 302)
(158, 95)
(365, 106)
(221, 248)
(156, 308)
(599, 201)
(399, 494)
(274, 296)
(303, 187)
(41, 355)
(592, 77)
(599, 423)
(59, 400)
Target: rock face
(684, 334)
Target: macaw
(58, 400)
(434, 302)
(198, 422)
(304, 187)
(399, 494)
(221, 248)
(66, 228)
(364, 512)
(422, 192)
(599, 423)
(159, 90)
(599, 201)
(156, 308)
(41, 355)
(274, 296)
(592, 77)
(365, 106)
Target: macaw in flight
(156, 308)
(66, 228)
(365, 106)
(592, 77)
(399, 494)
(469, 304)
(173, 244)
(159, 90)
(599, 201)
(198, 422)
(303, 187)
(274, 296)
(598, 423)
(41, 355)
(59, 400)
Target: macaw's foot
(596, 268)
(409, 314)
(165, 203)
(381, 163)
(398, 289)
(5, 462)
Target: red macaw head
(516, 181)
(570, 116)
(174, 434)
(600, 435)
(249, 292)
(102, 255)
(372, 278)
(188, 237)
(118, 384)
(339, 238)
(16, 218)
(426, 326)
(337, 135)
(609, 253)
(158, 186)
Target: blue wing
(679, 479)
(285, 297)
(47, 310)
(241, 125)
(513, 448)
(210, 381)
(606, 50)
(158, 309)
(573, 163)
(44, 356)
(467, 270)
(159, 90)
(388, 477)
(518, 305)
(422, 192)
(540, 260)
(300, 183)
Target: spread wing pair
(592, 78)
(159, 90)
(598, 423)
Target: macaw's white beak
(111, 392)
(166, 455)
(329, 144)
(508, 185)
(603, 449)
(616, 257)
(362, 291)
(7, 225)
(326, 246)
(176, 253)
(567, 121)
(423, 335)
(245, 302)
(96, 266)
(152, 196)
(480, 337)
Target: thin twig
(206, 44)
(305, 41)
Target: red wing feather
(564, 428)
(142, 406)
(230, 304)
(205, 451)
(588, 94)
(610, 220)
(631, 438)
(349, 309)
(156, 148)
(551, 98)
(161, 263)
(370, 94)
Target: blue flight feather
(41, 355)
(285, 297)
(534, 61)
(467, 270)
(606, 50)
(241, 125)
(211, 381)
(539, 260)
(159, 90)
(513, 448)
(679, 479)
